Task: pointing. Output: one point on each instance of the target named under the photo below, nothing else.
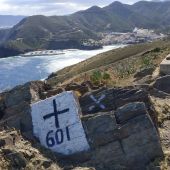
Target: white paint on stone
(97, 102)
(165, 65)
(70, 134)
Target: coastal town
(138, 35)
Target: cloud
(35, 7)
(49, 7)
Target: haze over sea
(19, 70)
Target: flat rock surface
(110, 99)
(163, 84)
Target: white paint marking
(57, 124)
(97, 101)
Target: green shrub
(156, 50)
(106, 76)
(98, 77)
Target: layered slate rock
(126, 138)
(163, 84)
(15, 105)
(117, 123)
(104, 100)
(110, 99)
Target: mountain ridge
(70, 31)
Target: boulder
(129, 111)
(15, 106)
(100, 128)
(163, 84)
(16, 159)
(124, 138)
(29, 92)
(144, 72)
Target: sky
(50, 7)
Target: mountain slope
(37, 31)
(159, 12)
(59, 32)
(129, 17)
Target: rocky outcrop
(126, 138)
(163, 84)
(119, 123)
(15, 105)
(110, 99)
(17, 153)
(144, 72)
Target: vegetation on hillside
(98, 77)
(69, 31)
(121, 64)
(120, 68)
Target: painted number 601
(59, 137)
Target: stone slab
(165, 65)
(57, 124)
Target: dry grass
(121, 63)
(165, 164)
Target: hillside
(133, 66)
(134, 121)
(117, 62)
(63, 32)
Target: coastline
(18, 70)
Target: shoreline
(18, 70)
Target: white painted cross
(57, 124)
(97, 102)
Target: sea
(18, 70)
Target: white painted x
(97, 101)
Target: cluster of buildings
(138, 35)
